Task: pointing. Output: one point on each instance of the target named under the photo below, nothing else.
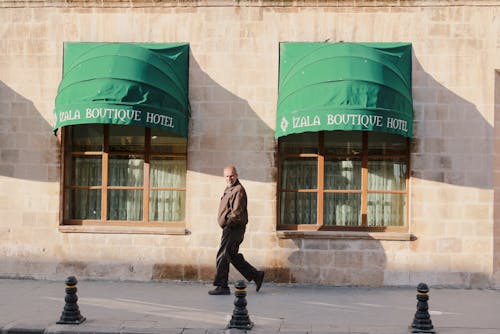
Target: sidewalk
(28, 306)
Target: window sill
(346, 235)
(122, 229)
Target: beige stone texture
(234, 64)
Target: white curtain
(299, 207)
(125, 204)
(386, 209)
(164, 205)
(84, 203)
(167, 205)
(342, 209)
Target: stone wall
(234, 54)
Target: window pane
(125, 204)
(299, 174)
(85, 137)
(298, 208)
(165, 205)
(342, 209)
(343, 142)
(299, 143)
(126, 171)
(387, 144)
(164, 143)
(126, 138)
(82, 204)
(167, 172)
(386, 210)
(83, 171)
(386, 175)
(343, 174)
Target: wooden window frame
(320, 190)
(118, 226)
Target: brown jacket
(233, 206)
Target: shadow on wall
(29, 150)
(224, 129)
(331, 261)
(453, 142)
(496, 188)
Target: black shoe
(220, 291)
(258, 280)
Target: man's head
(230, 174)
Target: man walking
(233, 218)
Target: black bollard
(71, 313)
(422, 321)
(240, 318)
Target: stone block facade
(233, 76)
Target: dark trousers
(230, 242)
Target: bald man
(233, 218)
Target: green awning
(344, 86)
(143, 84)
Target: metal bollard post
(422, 321)
(71, 312)
(240, 318)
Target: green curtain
(143, 84)
(344, 86)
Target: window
(343, 180)
(123, 175)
